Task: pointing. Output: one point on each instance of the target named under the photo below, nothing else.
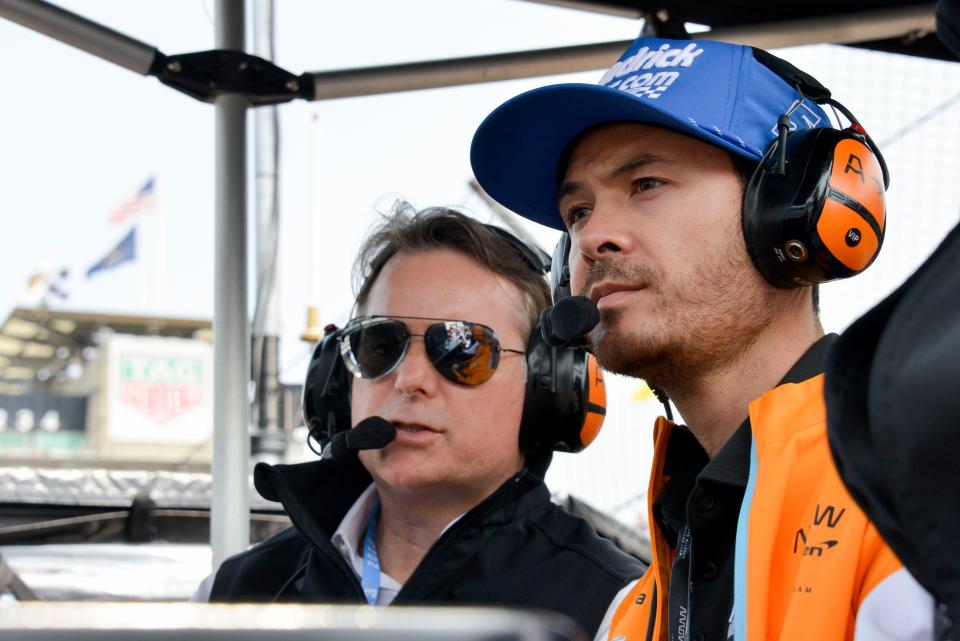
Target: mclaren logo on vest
(824, 516)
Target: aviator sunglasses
(463, 352)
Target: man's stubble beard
(697, 328)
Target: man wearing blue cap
(705, 194)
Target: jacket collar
(732, 463)
(686, 463)
(813, 362)
(316, 509)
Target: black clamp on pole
(204, 75)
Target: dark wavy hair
(407, 231)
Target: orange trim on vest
(633, 614)
(812, 555)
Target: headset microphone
(371, 433)
(567, 323)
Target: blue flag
(125, 251)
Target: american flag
(142, 202)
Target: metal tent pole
(230, 507)
(864, 26)
(77, 31)
(851, 28)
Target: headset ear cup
(596, 406)
(824, 219)
(853, 219)
(756, 228)
(565, 400)
(326, 391)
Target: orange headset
(815, 208)
(565, 399)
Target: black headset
(814, 209)
(565, 399)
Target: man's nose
(416, 375)
(607, 232)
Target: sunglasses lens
(375, 348)
(465, 353)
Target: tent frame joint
(206, 75)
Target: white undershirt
(348, 540)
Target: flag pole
(160, 263)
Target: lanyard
(370, 580)
(678, 602)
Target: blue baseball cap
(714, 91)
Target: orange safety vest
(806, 556)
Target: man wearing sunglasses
(653, 174)
(453, 510)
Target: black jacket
(516, 548)
(892, 417)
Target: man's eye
(646, 184)
(574, 214)
(381, 349)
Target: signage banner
(159, 390)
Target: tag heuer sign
(161, 387)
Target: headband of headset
(565, 397)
